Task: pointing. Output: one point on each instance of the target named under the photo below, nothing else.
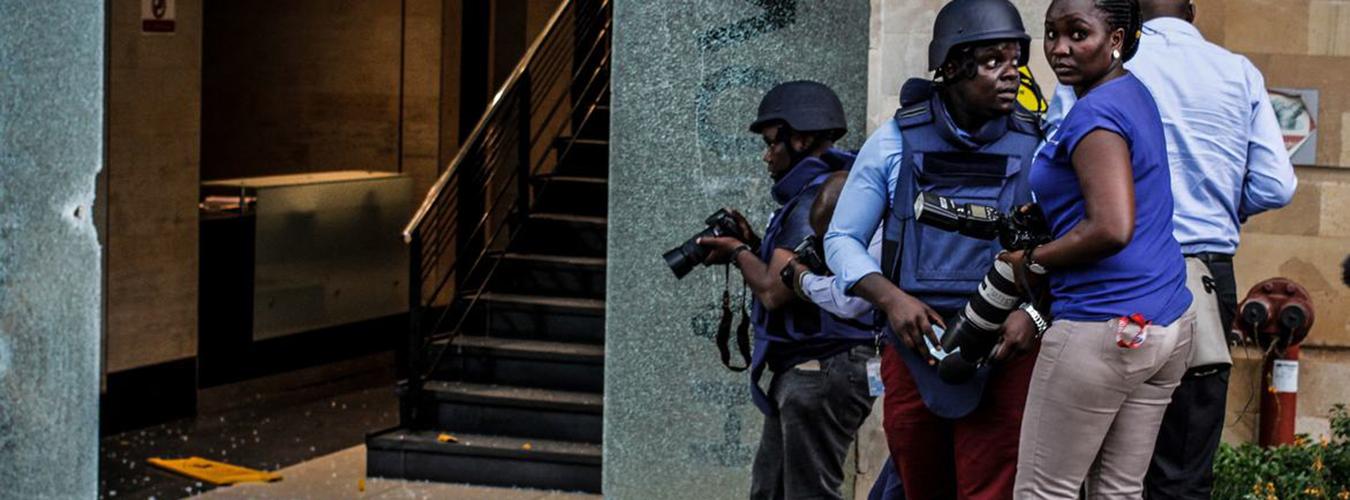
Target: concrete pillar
(51, 145)
(687, 80)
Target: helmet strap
(784, 137)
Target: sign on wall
(1296, 110)
(157, 16)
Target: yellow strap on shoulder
(1029, 92)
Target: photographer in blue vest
(961, 135)
(818, 395)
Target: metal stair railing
(484, 196)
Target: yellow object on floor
(447, 438)
(211, 471)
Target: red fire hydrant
(1277, 315)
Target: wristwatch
(1041, 324)
(737, 252)
(1032, 265)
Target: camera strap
(724, 328)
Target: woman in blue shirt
(1121, 333)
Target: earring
(1115, 54)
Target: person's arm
(823, 291)
(1101, 161)
(1269, 183)
(762, 277)
(864, 199)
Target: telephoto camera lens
(684, 258)
(975, 330)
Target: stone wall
(1295, 43)
(51, 137)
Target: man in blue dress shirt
(1228, 163)
(962, 135)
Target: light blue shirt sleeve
(1060, 104)
(1270, 182)
(866, 195)
(821, 290)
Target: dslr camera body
(690, 254)
(1015, 230)
(808, 254)
(973, 334)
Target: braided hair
(1124, 15)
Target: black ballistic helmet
(968, 21)
(804, 105)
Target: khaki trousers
(1094, 408)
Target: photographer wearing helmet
(962, 136)
(818, 395)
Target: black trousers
(802, 450)
(1183, 458)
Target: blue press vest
(798, 322)
(943, 269)
(804, 321)
(991, 167)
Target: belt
(1211, 257)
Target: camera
(807, 253)
(974, 332)
(689, 254)
(1016, 230)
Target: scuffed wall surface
(303, 86)
(687, 80)
(154, 133)
(51, 120)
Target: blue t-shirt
(1148, 276)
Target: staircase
(505, 357)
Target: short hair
(1125, 15)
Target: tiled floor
(340, 476)
(265, 437)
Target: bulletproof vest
(838, 328)
(804, 321)
(988, 167)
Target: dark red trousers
(973, 457)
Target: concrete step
(574, 195)
(554, 275)
(556, 319)
(562, 234)
(484, 459)
(515, 411)
(587, 156)
(524, 363)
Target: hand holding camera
(806, 258)
(981, 331)
(726, 230)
